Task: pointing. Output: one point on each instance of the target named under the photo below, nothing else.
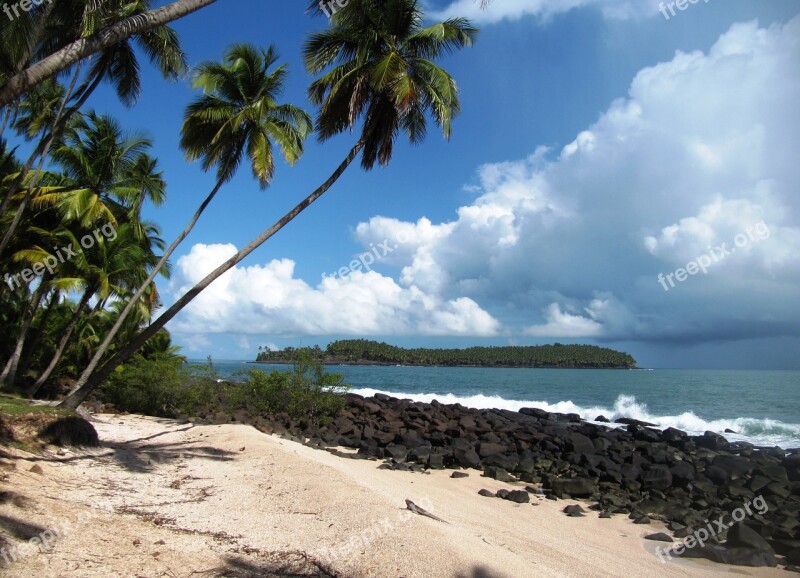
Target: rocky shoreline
(728, 502)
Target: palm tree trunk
(36, 337)
(9, 374)
(80, 49)
(91, 379)
(6, 118)
(62, 344)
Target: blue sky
(600, 144)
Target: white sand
(171, 499)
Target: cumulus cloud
(574, 239)
(498, 10)
(270, 299)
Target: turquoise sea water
(762, 406)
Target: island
(367, 352)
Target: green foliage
(366, 351)
(306, 391)
(161, 386)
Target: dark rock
(602, 419)
(642, 520)
(736, 556)
(793, 557)
(436, 461)
(672, 435)
(459, 475)
(682, 473)
(659, 537)
(740, 535)
(397, 453)
(573, 509)
(657, 478)
(487, 493)
(535, 412)
(489, 449)
(631, 421)
(502, 493)
(735, 466)
(579, 444)
(498, 474)
(717, 475)
(711, 441)
(518, 496)
(508, 463)
(576, 487)
(466, 458)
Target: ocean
(762, 407)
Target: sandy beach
(165, 498)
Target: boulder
(659, 537)
(575, 487)
(518, 496)
(657, 477)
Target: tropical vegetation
(364, 351)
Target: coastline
(166, 496)
(388, 364)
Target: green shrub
(306, 391)
(161, 386)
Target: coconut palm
(102, 178)
(237, 115)
(383, 75)
(103, 38)
(117, 64)
(109, 268)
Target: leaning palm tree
(117, 63)
(382, 74)
(64, 57)
(237, 115)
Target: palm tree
(113, 33)
(117, 63)
(238, 114)
(102, 172)
(107, 269)
(383, 73)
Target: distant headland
(366, 352)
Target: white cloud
(498, 10)
(269, 299)
(681, 164)
(562, 324)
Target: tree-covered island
(367, 352)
